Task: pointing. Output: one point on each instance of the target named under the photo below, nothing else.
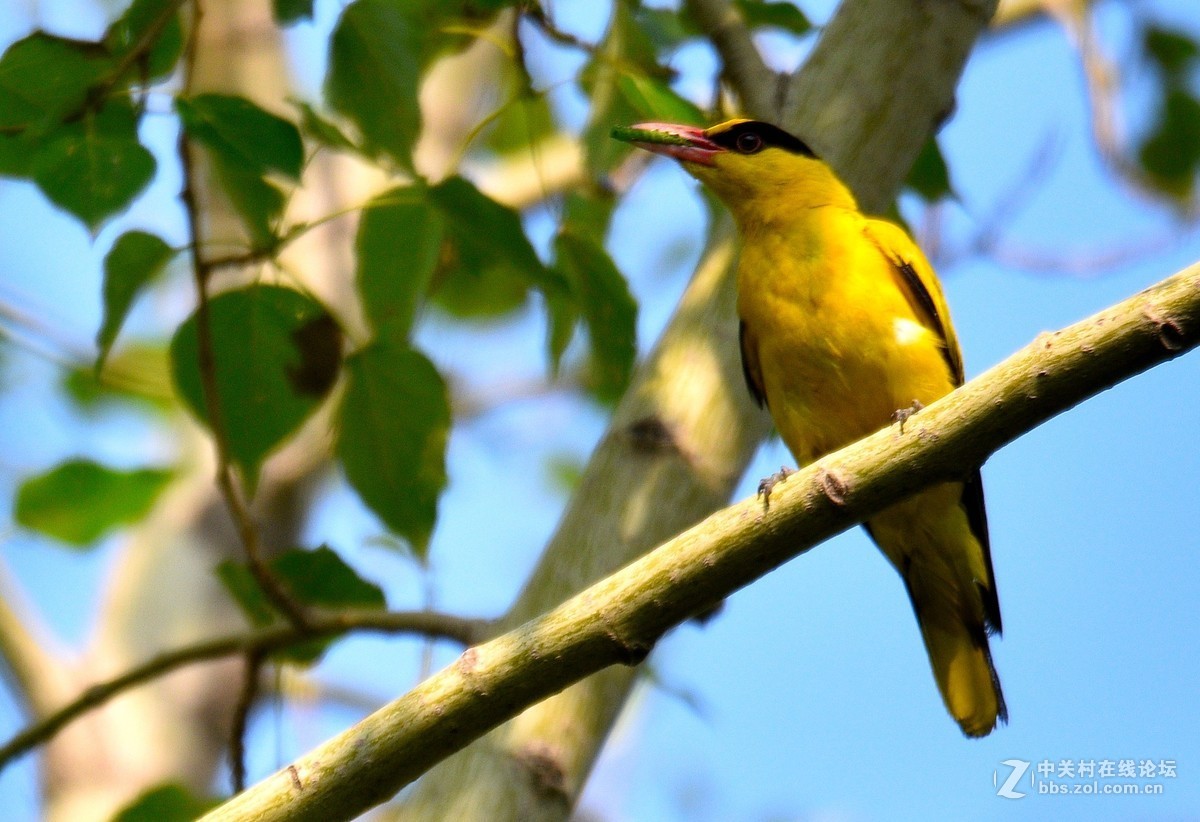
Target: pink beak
(692, 145)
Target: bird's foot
(903, 415)
(768, 484)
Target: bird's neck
(793, 207)
(799, 227)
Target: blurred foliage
(773, 14)
(67, 121)
(80, 501)
(929, 178)
(394, 423)
(137, 374)
(134, 260)
(276, 354)
(1169, 152)
(318, 578)
(165, 803)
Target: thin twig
(989, 240)
(274, 590)
(263, 640)
(535, 14)
(241, 718)
(1080, 263)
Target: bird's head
(755, 168)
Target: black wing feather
(972, 500)
(927, 310)
(750, 367)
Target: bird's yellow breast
(838, 346)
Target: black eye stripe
(769, 134)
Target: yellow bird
(843, 324)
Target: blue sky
(810, 696)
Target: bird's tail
(966, 677)
(946, 570)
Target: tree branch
(263, 641)
(1013, 14)
(619, 620)
(253, 663)
(885, 67)
(31, 658)
(743, 65)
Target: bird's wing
(920, 287)
(750, 367)
(917, 281)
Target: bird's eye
(748, 142)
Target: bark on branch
(619, 619)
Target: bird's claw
(767, 484)
(903, 415)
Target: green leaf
(244, 589)
(624, 48)
(561, 319)
(16, 154)
(79, 501)
(929, 176)
(135, 259)
(322, 578)
(117, 120)
(586, 214)
(1173, 51)
(780, 15)
(1170, 154)
(93, 176)
(565, 471)
(169, 802)
(398, 245)
(394, 423)
(152, 28)
(667, 29)
(287, 12)
(474, 8)
(490, 264)
(374, 73)
(525, 119)
(321, 129)
(44, 78)
(653, 99)
(276, 352)
(608, 309)
(138, 372)
(318, 578)
(239, 132)
(255, 199)
(246, 143)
